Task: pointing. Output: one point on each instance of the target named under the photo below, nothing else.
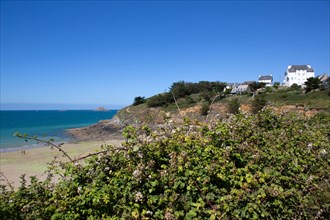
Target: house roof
(265, 77)
(248, 82)
(243, 87)
(233, 84)
(294, 68)
(323, 77)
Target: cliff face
(155, 117)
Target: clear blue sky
(83, 54)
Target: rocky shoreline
(103, 130)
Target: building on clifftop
(268, 80)
(298, 74)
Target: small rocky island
(101, 109)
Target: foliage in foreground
(248, 167)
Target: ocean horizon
(46, 124)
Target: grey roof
(248, 82)
(243, 87)
(240, 88)
(323, 77)
(265, 77)
(233, 84)
(300, 67)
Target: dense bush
(249, 167)
(276, 85)
(294, 87)
(181, 89)
(311, 84)
(256, 85)
(139, 100)
(160, 100)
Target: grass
(314, 99)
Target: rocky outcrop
(103, 130)
(101, 109)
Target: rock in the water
(101, 109)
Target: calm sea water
(51, 124)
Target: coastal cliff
(201, 106)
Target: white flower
(310, 178)
(323, 152)
(136, 173)
(138, 197)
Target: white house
(298, 74)
(268, 80)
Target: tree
(179, 89)
(257, 85)
(139, 100)
(311, 84)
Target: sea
(46, 124)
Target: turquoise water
(52, 124)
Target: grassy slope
(314, 99)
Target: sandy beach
(34, 161)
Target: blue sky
(84, 54)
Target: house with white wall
(268, 80)
(298, 74)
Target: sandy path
(34, 162)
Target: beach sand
(34, 161)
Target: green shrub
(276, 85)
(139, 100)
(262, 166)
(160, 100)
(311, 84)
(295, 86)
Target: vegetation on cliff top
(185, 95)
